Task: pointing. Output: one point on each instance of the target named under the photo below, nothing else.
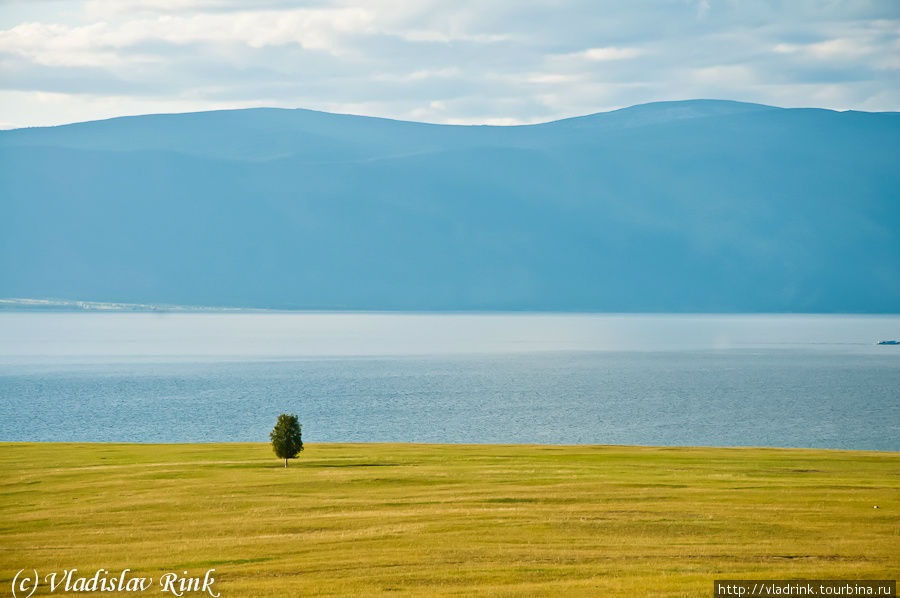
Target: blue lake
(683, 380)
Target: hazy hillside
(677, 206)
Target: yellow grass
(449, 520)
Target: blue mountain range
(692, 206)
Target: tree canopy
(286, 437)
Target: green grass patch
(450, 520)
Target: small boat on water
(888, 343)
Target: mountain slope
(676, 206)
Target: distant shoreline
(74, 306)
(77, 306)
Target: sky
(450, 61)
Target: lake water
(747, 380)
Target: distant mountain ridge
(700, 205)
(266, 133)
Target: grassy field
(449, 520)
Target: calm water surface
(803, 381)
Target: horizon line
(439, 124)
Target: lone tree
(286, 438)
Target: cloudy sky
(450, 61)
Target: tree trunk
(285, 461)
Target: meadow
(449, 520)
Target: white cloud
(728, 74)
(309, 28)
(702, 8)
(551, 78)
(500, 61)
(104, 9)
(875, 52)
(420, 75)
(610, 53)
